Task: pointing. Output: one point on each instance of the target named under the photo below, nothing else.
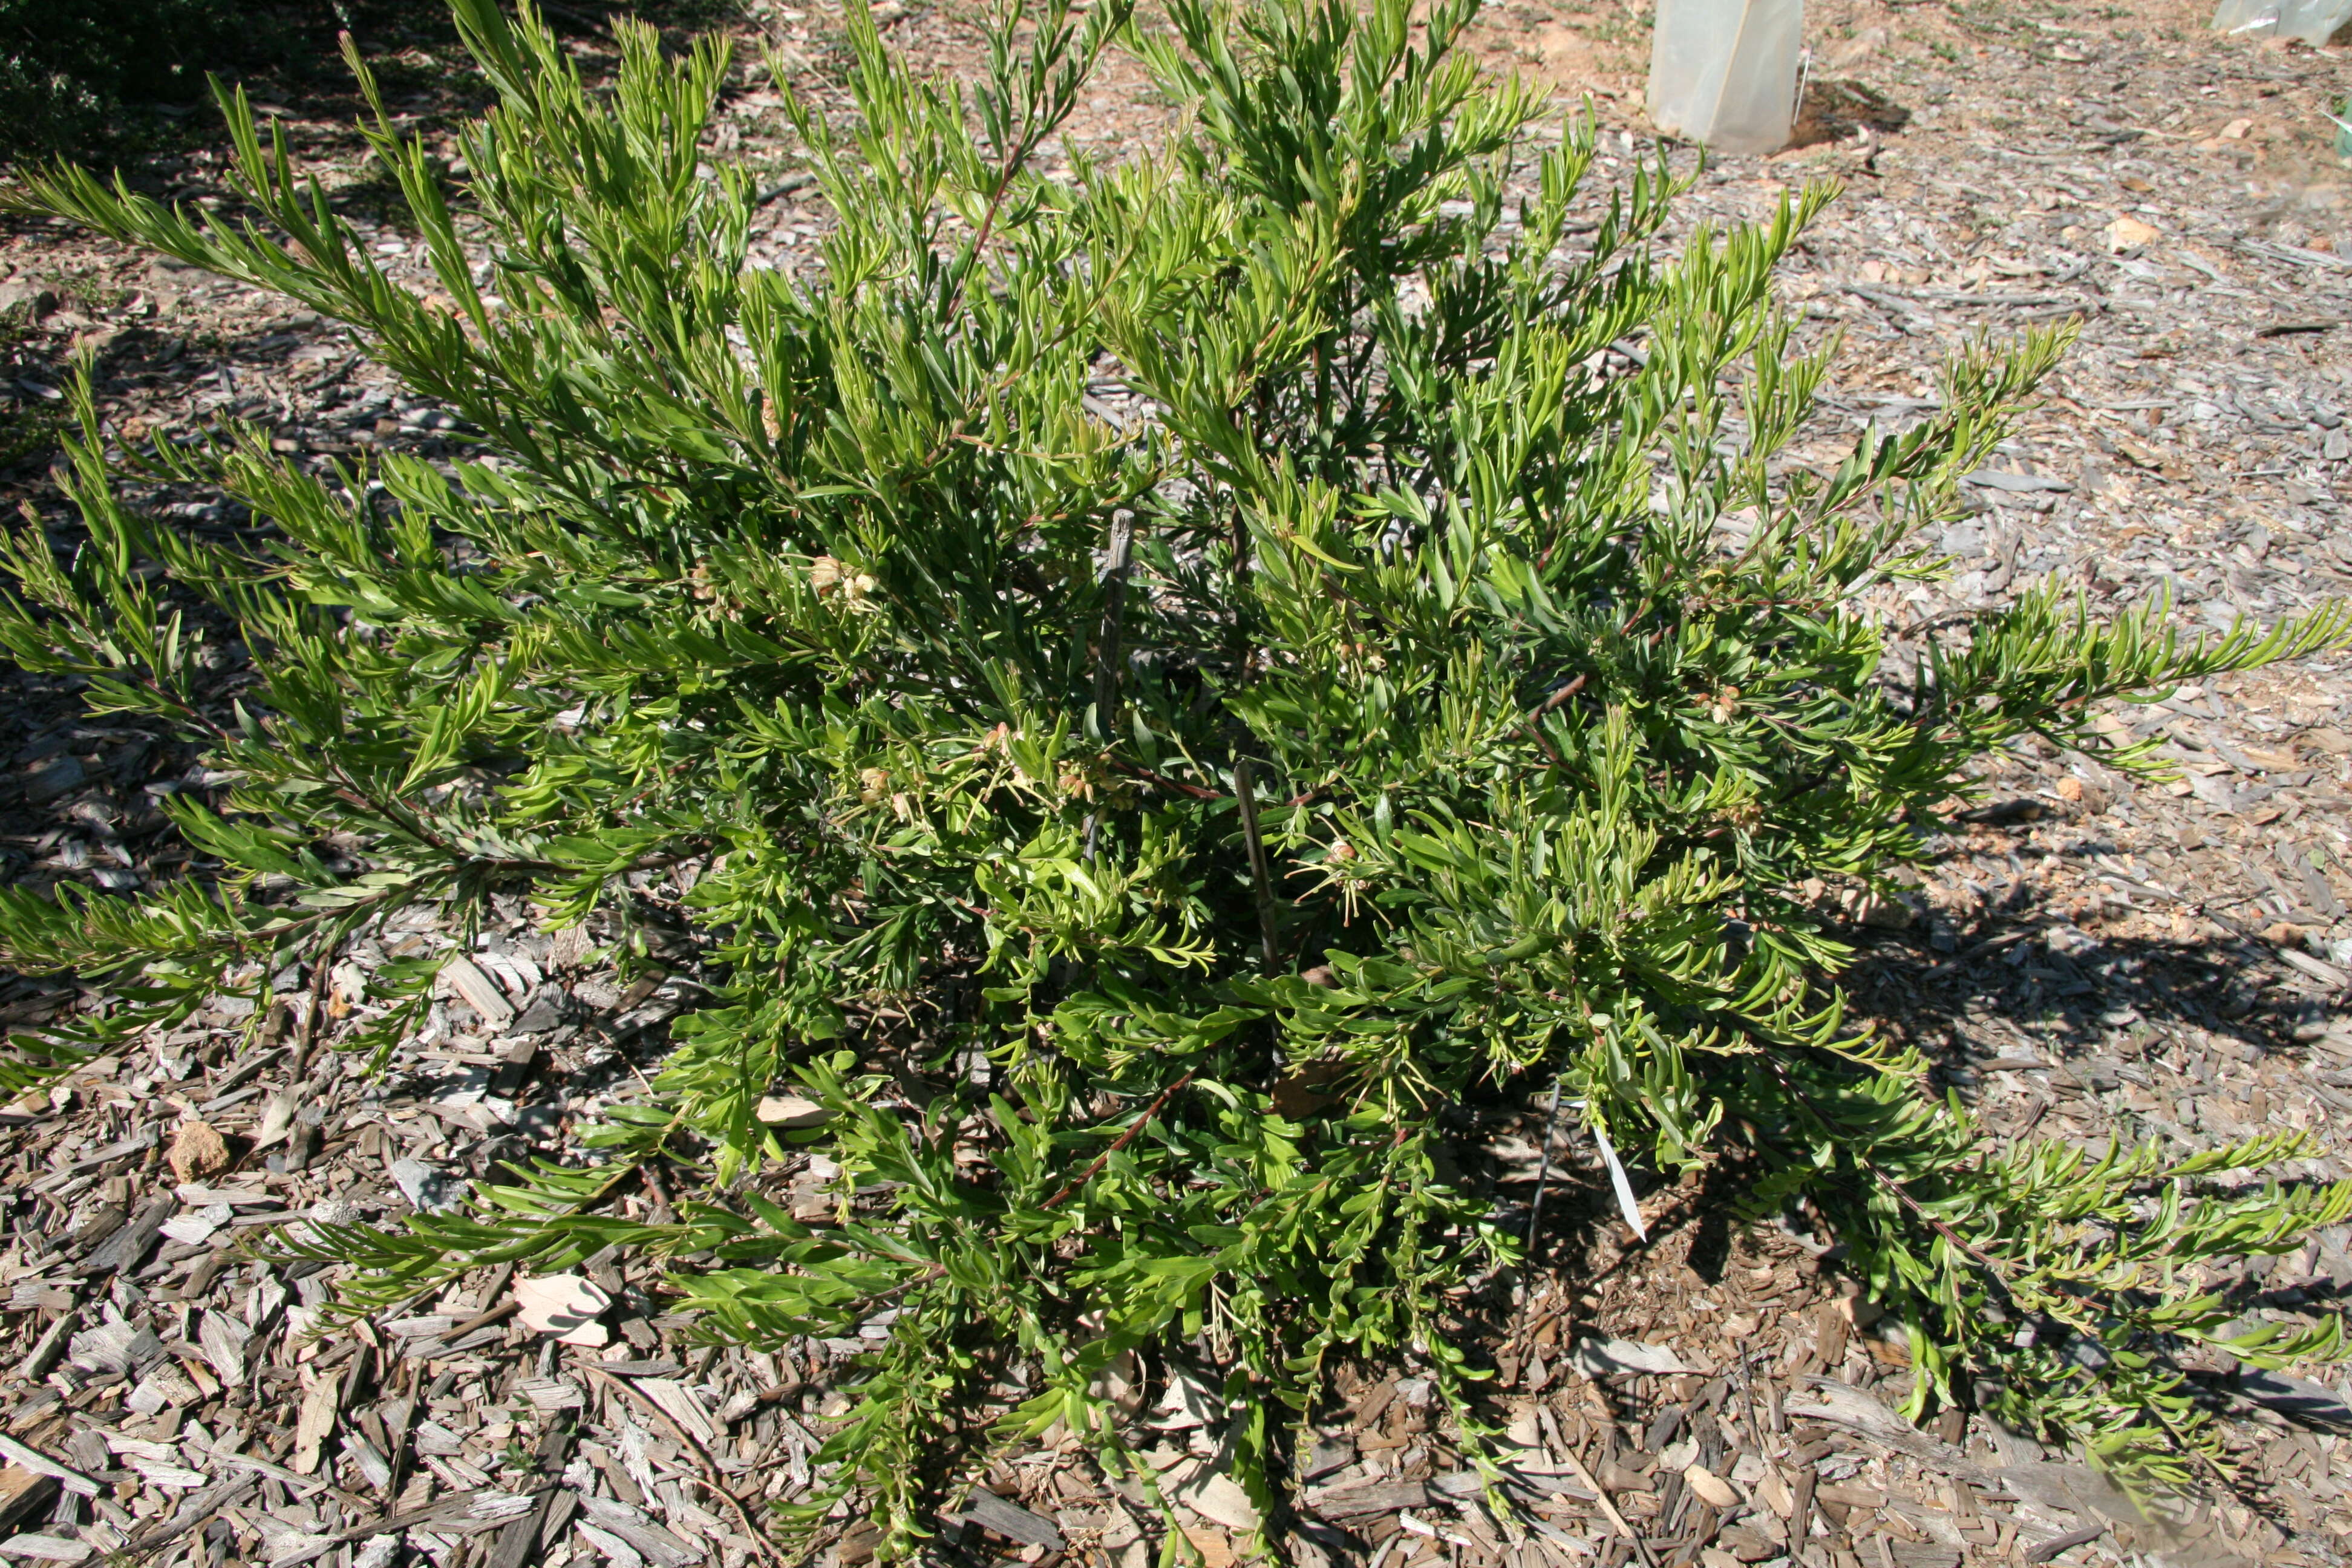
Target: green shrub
(1137, 829)
(66, 65)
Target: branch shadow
(1835, 111)
(2082, 1018)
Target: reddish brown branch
(1532, 725)
(1176, 786)
(1124, 1138)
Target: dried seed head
(830, 577)
(1743, 815)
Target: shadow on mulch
(2089, 1016)
(287, 55)
(2107, 999)
(1834, 111)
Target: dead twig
(708, 1466)
(321, 975)
(1640, 1547)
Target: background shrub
(68, 66)
(85, 77)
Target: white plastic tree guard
(1723, 73)
(2313, 21)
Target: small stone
(1881, 913)
(2069, 788)
(2070, 940)
(198, 1151)
(2128, 234)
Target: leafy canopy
(1164, 682)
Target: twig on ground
(708, 1466)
